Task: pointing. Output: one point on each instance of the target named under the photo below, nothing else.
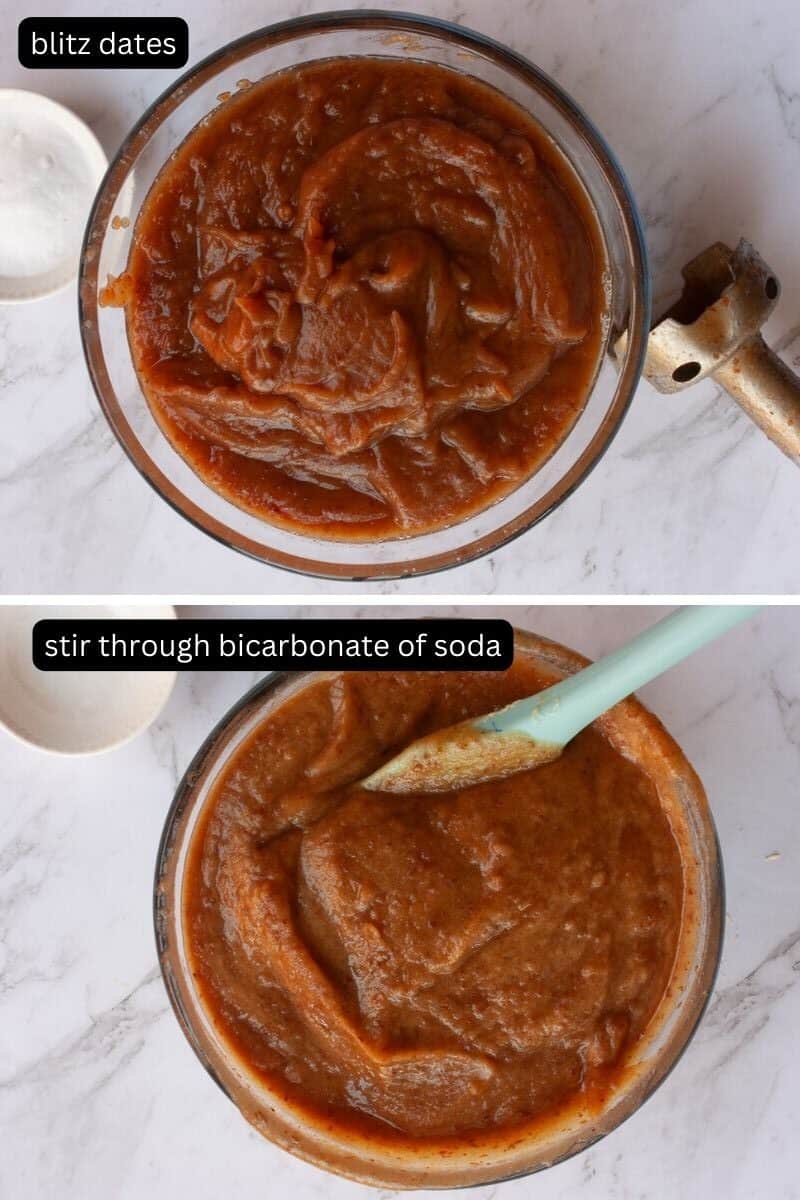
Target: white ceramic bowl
(34, 118)
(75, 712)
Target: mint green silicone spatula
(535, 730)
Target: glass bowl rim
(401, 566)
(186, 793)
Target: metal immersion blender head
(714, 330)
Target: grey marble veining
(701, 101)
(102, 1099)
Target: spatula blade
(460, 756)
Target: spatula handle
(557, 714)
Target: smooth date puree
(428, 966)
(364, 298)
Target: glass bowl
(165, 125)
(633, 731)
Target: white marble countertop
(102, 1099)
(701, 100)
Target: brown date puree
(429, 968)
(364, 298)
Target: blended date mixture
(364, 298)
(428, 966)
